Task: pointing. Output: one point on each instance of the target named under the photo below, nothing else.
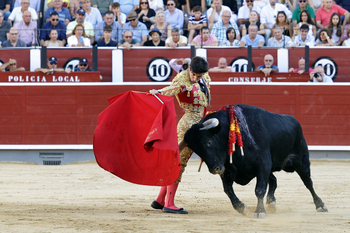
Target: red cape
(136, 139)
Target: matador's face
(195, 77)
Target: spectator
(128, 41)
(145, 14)
(109, 21)
(92, 14)
(345, 29)
(53, 42)
(219, 29)
(335, 30)
(83, 65)
(345, 4)
(185, 63)
(303, 38)
(259, 4)
(13, 41)
(174, 16)
(27, 29)
(127, 6)
(54, 23)
(176, 40)
(269, 13)
(119, 16)
(5, 6)
(52, 67)
(4, 27)
(252, 38)
(65, 3)
(106, 40)
(222, 66)
(17, 13)
(215, 14)
(319, 76)
(163, 27)
(268, 66)
(301, 69)
(155, 35)
(102, 5)
(279, 40)
(35, 4)
(80, 19)
(196, 22)
(347, 41)
(283, 22)
(323, 15)
(253, 19)
(205, 38)
(245, 10)
(138, 29)
(63, 13)
(231, 38)
(156, 5)
(324, 39)
(11, 65)
(306, 19)
(303, 5)
(190, 4)
(78, 37)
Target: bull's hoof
(245, 211)
(259, 215)
(322, 209)
(271, 208)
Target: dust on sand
(82, 197)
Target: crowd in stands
(174, 23)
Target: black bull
(272, 142)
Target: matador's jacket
(193, 98)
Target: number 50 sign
(159, 70)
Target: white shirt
(17, 14)
(94, 17)
(268, 14)
(259, 4)
(347, 42)
(244, 13)
(73, 40)
(155, 4)
(122, 18)
(218, 17)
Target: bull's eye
(209, 144)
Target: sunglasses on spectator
(13, 64)
(128, 36)
(53, 62)
(54, 19)
(249, 0)
(82, 64)
(14, 34)
(299, 58)
(171, 4)
(302, 0)
(132, 19)
(268, 60)
(144, 2)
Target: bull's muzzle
(218, 170)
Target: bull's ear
(215, 130)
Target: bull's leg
(260, 191)
(304, 172)
(270, 199)
(236, 203)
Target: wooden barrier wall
(67, 114)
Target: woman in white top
(53, 42)
(306, 19)
(156, 5)
(78, 37)
(231, 38)
(347, 41)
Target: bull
(272, 142)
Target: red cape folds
(136, 139)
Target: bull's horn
(182, 145)
(211, 123)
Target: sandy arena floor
(83, 197)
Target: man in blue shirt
(138, 29)
(54, 23)
(174, 16)
(107, 41)
(109, 21)
(268, 66)
(252, 38)
(63, 13)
